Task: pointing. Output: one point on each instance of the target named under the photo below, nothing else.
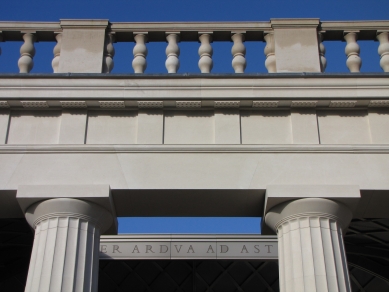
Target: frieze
(188, 249)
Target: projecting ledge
(28, 195)
(347, 195)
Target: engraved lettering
(163, 249)
(116, 248)
(257, 250)
(136, 249)
(210, 248)
(103, 248)
(223, 248)
(178, 250)
(148, 248)
(244, 248)
(268, 248)
(191, 249)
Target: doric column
(65, 254)
(310, 244)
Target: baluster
(269, 51)
(140, 53)
(238, 52)
(205, 53)
(109, 53)
(322, 51)
(383, 50)
(57, 53)
(27, 53)
(172, 53)
(1, 39)
(353, 62)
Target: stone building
(306, 150)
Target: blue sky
(187, 10)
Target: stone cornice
(47, 149)
(129, 88)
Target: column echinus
(65, 254)
(310, 244)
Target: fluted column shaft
(310, 245)
(65, 255)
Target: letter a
(210, 248)
(191, 249)
(135, 249)
(244, 248)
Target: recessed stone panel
(34, 127)
(189, 127)
(112, 127)
(266, 127)
(344, 127)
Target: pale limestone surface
(189, 127)
(65, 254)
(34, 127)
(310, 244)
(77, 54)
(304, 127)
(344, 127)
(266, 127)
(150, 127)
(295, 126)
(227, 127)
(296, 45)
(379, 125)
(73, 127)
(112, 127)
(281, 89)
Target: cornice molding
(290, 148)
(132, 89)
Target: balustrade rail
(292, 45)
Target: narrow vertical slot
(86, 126)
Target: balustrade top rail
(292, 45)
(13, 30)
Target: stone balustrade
(292, 45)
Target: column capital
(69, 208)
(348, 195)
(309, 208)
(46, 201)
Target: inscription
(189, 250)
